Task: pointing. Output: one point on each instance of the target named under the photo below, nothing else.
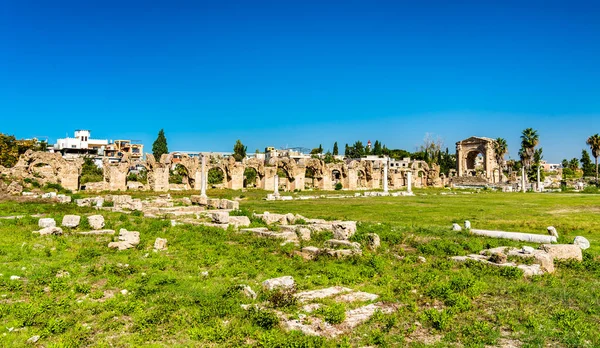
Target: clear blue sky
(301, 73)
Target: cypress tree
(159, 147)
(335, 149)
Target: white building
(80, 144)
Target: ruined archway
(475, 155)
(216, 177)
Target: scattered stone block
(285, 283)
(581, 242)
(467, 225)
(552, 231)
(33, 339)
(336, 243)
(220, 217)
(563, 251)
(127, 240)
(239, 221)
(63, 199)
(456, 227)
(71, 221)
(373, 241)
(304, 233)
(46, 222)
(50, 230)
(357, 296)
(344, 229)
(160, 244)
(96, 221)
(199, 200)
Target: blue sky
(301, 73)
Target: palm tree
(529, 140)
(500, 150)
(594, 143)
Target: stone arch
(217, 169)
(259, 167)
(467, 151)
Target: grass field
(189, 295)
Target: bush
(440, 320)
(333, 314)
(263, 318)
(338, 186)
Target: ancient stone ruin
(285, 173)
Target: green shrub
(440, 320)
(264, 318)
(333, 314)
(338, 186)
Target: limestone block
(63, 199)
(160, 244)
(552, 231)
(456, 227)
(233, 205)
(334, 243)
(127, 240)
(220, 217)
(304, 233)
(284, 283)
(71, 221)
(563, 251)
(467, 225)
(582, 242)
(199, 200)
(373, 241)
(343, 230)
(46, 222)
(50, 230)
(239, 221)
(96, 221)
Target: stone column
(203, 177)
(409, 181)
(538, 180)
(385, 175)
(523, 179)
(276, 188)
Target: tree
(586, 164)
(90, 172)
(239, 151)
(335, 149)
(529, 140)
(159, 147)
(320, 148)
(594, 143)
(500, 150)
(347, 151)
(355, 151)
(377, 150)
(574, 164)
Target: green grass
(171, 303)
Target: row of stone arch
(352, 175)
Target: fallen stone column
(524, 237)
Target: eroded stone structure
(287, 173)
(46, 167)
(467, 152)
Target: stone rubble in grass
(160, 244)
(310, 324)
(46, 222)
(456, 227)
(96, 221)
(127, 240)
(50, 231)
(285, 283)
(581, 242)
(71, 221)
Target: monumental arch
(466, 154)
